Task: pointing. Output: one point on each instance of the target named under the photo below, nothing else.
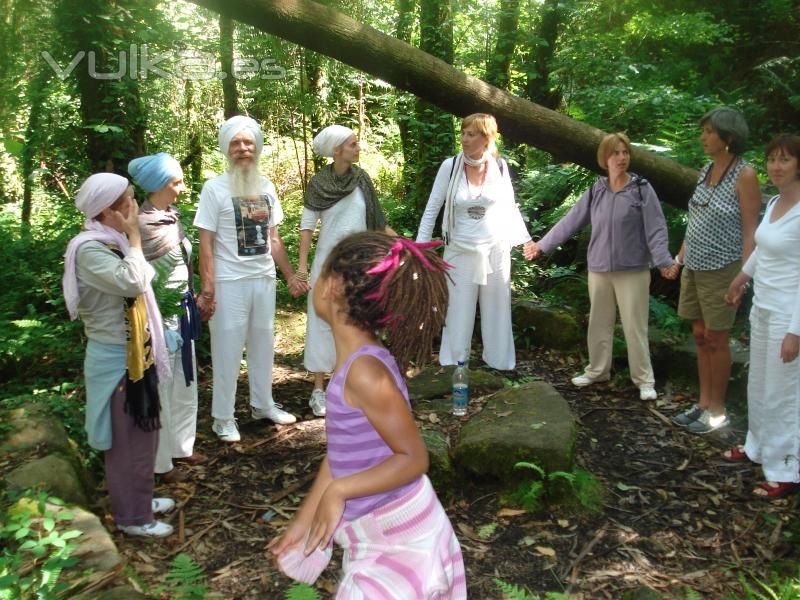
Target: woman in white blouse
(342, 198)
(481, 223)
(773, 386)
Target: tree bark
(403, 104)
(433, 125)
(537, 86)
(229, 93)
(336, 35)
(37, 92)
(498, 65)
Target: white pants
(773, 399)
(630, 290)
(245, 316)
(178, 415)
(495, 302)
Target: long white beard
(245, 179)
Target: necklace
(475, 197)
(707, 179)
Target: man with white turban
(238, 219)
(342, 197)
(107, 284)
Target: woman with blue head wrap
(169, 251)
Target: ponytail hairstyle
(393, 285)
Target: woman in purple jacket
(629, 233)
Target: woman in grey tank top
(723, 215)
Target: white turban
(230, 128)
(329, 138)
(100, 191)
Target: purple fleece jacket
(629, 231)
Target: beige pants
(630, 290)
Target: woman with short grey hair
(723, 215)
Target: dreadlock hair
(408, 302)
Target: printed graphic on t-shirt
(476, 212)
(252, 215)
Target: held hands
(298, 283)
(531, 250)
(736, 290)
(790, 347)
(206, 305)
(670, 272)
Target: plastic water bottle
(460, 390)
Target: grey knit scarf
(327, 187)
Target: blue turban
(153, 172)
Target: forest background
(87, 85)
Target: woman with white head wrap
(342, 197)
(107, 284)
(169, 252)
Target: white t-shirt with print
(241, 226)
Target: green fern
(301, 591)
(512, 592)
(692, 594)
(186, 579)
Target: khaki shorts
(703, 296)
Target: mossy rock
(55, 474)
(31, 427)
(642, 593)
(435, 381)
(530, 423)
(440, 469)
(572, 291)
(122, 592)
(545, 326)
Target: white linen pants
(245, 316)
(495, 301)
(630, 290)
(319, 354)
(773, 399)
(178, 415)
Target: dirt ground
(676, 516)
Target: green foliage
(778, 588)
(586, 491)
(514, 592)
(185, 580)
(301, 591)
(36, 548)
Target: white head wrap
(99, 191)
(329, 138)
(234, 125)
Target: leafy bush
(36, 548)
(185, 580)
(586, 490)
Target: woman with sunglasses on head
(723, 214)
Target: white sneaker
(154, 529)
(647, 392)
(226, 430)
(274, 414)
(584, 380)
(162, 505)
(317, 402)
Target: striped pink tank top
(353, 443)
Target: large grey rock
(435, 382)
(677, 359)
(54, 473)
(546, 326)
(530, 423)
(32, 426)
(96, 549)
(440, 469)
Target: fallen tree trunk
(334, 34)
